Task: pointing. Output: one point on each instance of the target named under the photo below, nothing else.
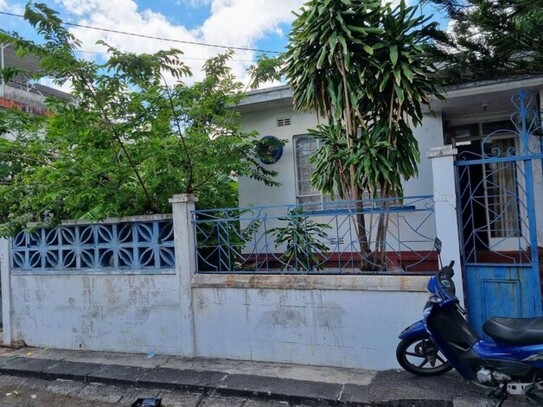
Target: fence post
(185, 265)
(443, 173)
(5, 275)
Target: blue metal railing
(137, 246)
(318, 238)
(496, 196)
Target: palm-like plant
(363, 66)
(304, 239)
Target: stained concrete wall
(128, 313)
(345, 321)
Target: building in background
(21, 91)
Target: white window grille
(305, 146)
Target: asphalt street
(54, 377)
(31, 392)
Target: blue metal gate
(497, 211)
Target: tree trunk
(365, 250)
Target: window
(305, 146)
(501, 191)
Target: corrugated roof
(29, 64)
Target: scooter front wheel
(420, 356)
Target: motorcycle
(511, 363)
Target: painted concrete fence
(92, 300)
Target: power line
(183, 58)
(202, 44)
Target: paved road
(30, 392)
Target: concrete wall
(345, 321)
(129, 313)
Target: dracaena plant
(362, 65)
(304, 240)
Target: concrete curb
(234, 384)
(229, 384)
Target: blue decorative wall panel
(123, 247)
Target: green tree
(125, 141)
(363, 66)
(490, 39)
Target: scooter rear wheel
(420, 356)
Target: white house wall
(428, 135)
(252, 192)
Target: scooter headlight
(435, 299)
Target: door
(497, 216)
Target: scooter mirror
(437, 245)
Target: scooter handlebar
(448, 270)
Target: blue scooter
(509, 364)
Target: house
(470, 111)
(495, 142)
(20, 91)
(338, 316)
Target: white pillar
(185, 265)
(5, 275)
(443, 173)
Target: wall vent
(283, 121)
(336, 241)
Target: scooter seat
(515, 331)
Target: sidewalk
(284, 382)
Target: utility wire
(183, 58)
(202, 44)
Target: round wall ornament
(269, 149)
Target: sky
(261, 24)
(258, 24)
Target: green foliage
(331, 174)
(268, 148)
(490, 39)
(304, 239)
(125, 142)
(364, 67)
(221, 239)
(266, 69)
